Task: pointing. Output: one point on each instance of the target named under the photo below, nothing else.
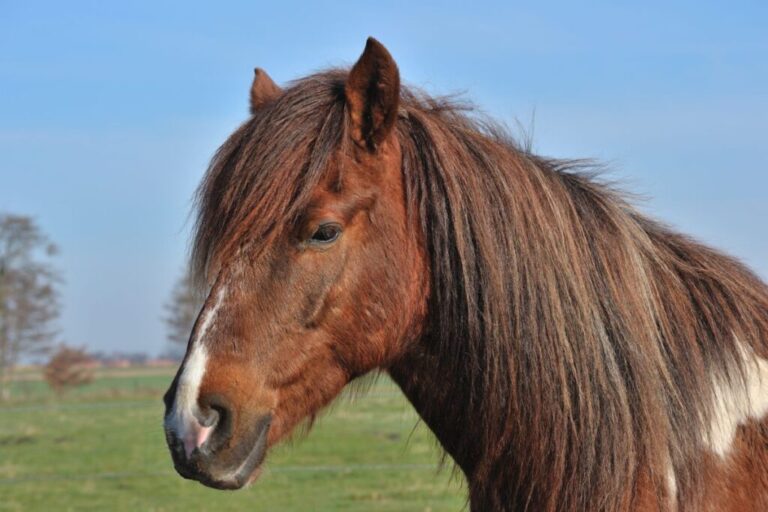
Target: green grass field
(101, 448)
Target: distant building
(161, 362)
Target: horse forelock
(261, 178)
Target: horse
(568, 352)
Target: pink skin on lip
(196, 438)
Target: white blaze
(737, 401)
(182, 420)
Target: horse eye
(326, 233)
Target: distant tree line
(29, 308)
(29, 302)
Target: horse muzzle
(209, 448)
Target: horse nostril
(210, 418)
(216, 416)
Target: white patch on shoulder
(737, 401)
(182, 419)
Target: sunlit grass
(95, 452)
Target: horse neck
(585, 383)
(444, 402)
(441, 402)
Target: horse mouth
(225, 464)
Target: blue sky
(109, 113)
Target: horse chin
(243, 476)
(231, 482)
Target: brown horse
(569, 353)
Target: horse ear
(263, 89)
(373, 94)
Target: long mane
(580, 339)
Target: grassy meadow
(101, 447)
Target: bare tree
(69, 367)
(182, 309)
(28, 293)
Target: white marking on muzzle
(738, 401)
(183, 417)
